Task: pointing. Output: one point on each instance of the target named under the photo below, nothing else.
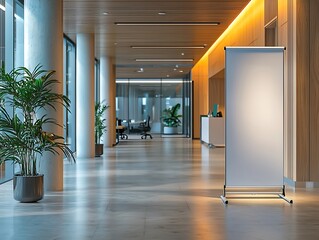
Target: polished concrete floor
(155, 189)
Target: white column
(43, 44)
(85, 146)
(108, 94)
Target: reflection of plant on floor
(99, 127)
(171, 117)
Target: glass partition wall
(69, 90)
(138, 99)
(11, 52)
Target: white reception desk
(213, 131)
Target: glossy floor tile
(165, 188)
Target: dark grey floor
(155, 189)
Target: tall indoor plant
(99, 127)
(23, 93)
(171, 119)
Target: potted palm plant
(99, 127)
(22, 139)
(171, 119)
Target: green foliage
(171, 117)
(22, 138)
(99, 127)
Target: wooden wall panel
(298, 31)
(314, 90)
(217, 92)
(200, 94)
(302, 82)
(248, 30)
(271, 9)
(288, 102)
(282, 12)
(195, 79)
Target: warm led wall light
(167, 23)
(168, 47)
(164, 60)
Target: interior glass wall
(70, 90)
(138, 99)
(2, 59)
(11, 52)
(2, 32)
(18, 35)
(173, 95)
(97, 80)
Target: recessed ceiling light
(175, 69)
(168, 47)
(181, 71)
(167, 23)
(182, 54)
(176, 66)
(161, 13)
(167, 75)
(140, 70)
(164, 60)
(105, 13)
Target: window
(2, 32)
(11, 51)
(70, 91)
(97, 80)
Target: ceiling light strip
(167, 47)
(155, 81)
(164, 60)
(167, 23)
(2, 7)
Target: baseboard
(299, 184)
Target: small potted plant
(99, 127)
(171, 119)
(22, 138)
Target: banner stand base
(281, 195)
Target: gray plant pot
(28, 188)
(170, 130)
(98, 150)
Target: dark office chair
(145, 127)
(120, 131)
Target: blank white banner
(254, 117)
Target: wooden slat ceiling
(83, 16)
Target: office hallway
(165, 188)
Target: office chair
(121, 131)
(145, 127)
